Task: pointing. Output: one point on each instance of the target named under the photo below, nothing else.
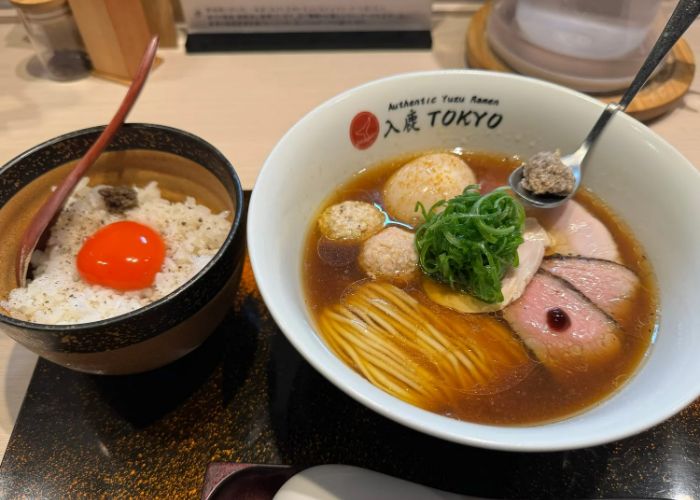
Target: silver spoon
(388, 221)
(683, 16)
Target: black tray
(319, 40)
(247, 396)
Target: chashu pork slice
(575, 231)
(530, 254)
(591, 338)
(609, 285)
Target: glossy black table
(247, 396)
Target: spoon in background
(52, 206)
(683, 16)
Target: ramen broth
(330, 268)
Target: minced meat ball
(428, 179)
(351, 220)
(544, 173)
(390, 254)
(119, 199)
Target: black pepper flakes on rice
(74, 225)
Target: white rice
(57, 295)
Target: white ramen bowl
(643, 179)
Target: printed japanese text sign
(305, 16)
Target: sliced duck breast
(609, 285)
(566, 331)
(575, 231)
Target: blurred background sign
(294, 24)
(254, 16)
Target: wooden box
(115, 33)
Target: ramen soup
(476, 307)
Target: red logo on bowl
(364, 129)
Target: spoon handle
(685, 13)
(53, 204)
(577, 156)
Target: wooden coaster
(660, 94)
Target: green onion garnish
(472, 242)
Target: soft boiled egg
(427, 179)
(124, 255)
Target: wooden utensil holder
(116, 33)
